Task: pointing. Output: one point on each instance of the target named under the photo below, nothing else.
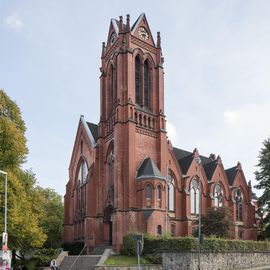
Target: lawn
(125, 260)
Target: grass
(125, 260)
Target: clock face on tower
(143, 33)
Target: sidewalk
(266, 267)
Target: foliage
(73, 248)
(217, 222)
(263, 177)
(42, 257)
(33, 212)
(13, 148)
(129, 245)
(52, 220)
(125, 260)
(158, 245)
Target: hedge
(190, 244)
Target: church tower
(132, 121)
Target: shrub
(42, 257)
(73, 248)
(129, 245)
(154, 258)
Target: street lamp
(4, 241)
(198, 160)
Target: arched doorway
(108, 224)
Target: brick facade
(124, 174)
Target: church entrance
(108, 225)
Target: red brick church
(125, 175)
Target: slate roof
(209, 168)
(94, 130)
(231, 173)
(185, 158)
(149, 169)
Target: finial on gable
(158, 40)
(120, 24)
(103, 50)
(128, 23)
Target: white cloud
(231, 117)
(172, 133)
(13, 21)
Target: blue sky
(217, 66)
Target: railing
(77, 257)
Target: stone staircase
(83, 262)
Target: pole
(166, 201)
(5, 227)
(138, 254)
(198, 160)
(200, 227)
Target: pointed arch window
(148, 195)
(194, 197)
(171, 192)
(239, 204)
(110, 90)
(138, 86)
(218, 196)
(146, 84)
(159, 194)
(83, 171)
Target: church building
(125, 175)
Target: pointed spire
(120, 24)
(158, 40)
(103, 50)
(128, 23)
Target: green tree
(217, 222)
(263, 177)
(24, 229)
(52, 220)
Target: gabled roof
(149, 169)
(91, 130)
(209, 168)
(231, 173)
(94, 130)
(185, 158)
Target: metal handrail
(78, 256)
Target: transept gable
(141, 30)
(86, 132)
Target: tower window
(159, 196)
(146, 84)
(138, 86)
(159, 230)
(148, 195)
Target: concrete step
(99, 250)
(84, 262)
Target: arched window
(138, 86)
(159, 190)
(170, 193)
(239, 204)
(146, 84)
(111, 173)
(148, 195)
(218, 197)
(83, 171)
(194, 197)
(110, 90)
(159, 230)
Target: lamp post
(4, 240)
(198, 160)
